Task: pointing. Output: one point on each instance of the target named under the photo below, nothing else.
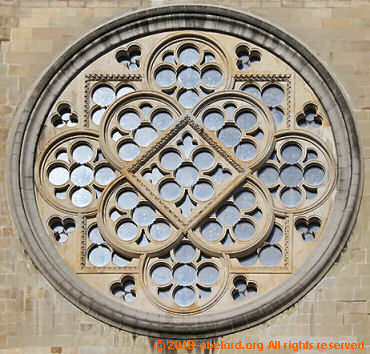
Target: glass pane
(161, 275)
(144, 215)
(204, 292)
(127, 231)
(185, 253)
(146, 109)
(203, 160)
(212, 77)
(189, 56)
(129, 120)
(186, 206)
(270, 256)
(208, 58)
(165, 77)
(170, 191)
(97, 116)
(246, 151)
(187, 145)
(252, 90)
(278, 115)
(187, 176)
(145, 136)
(82, 176)
(160, 230)
(273, 95)
(120, 261)
(104, 175)
(237, 296)
(291, 153)
(220, 175)
(162, 120)
(291, 175)
(228, 215)
(169, 58)
(143, 240)
(227, 241)
(188, 99)
(241, 285)
(251, 290)
(81, 197)
(244, 230)
(82, 153)
(184, 274)
(171, 160)
(62, 156)
(211, 231)
(314, 175)
(276, 234)
(291, 197)
(124, 90)
(245, 200)
(230, 108)
(203, 191)
(103, 96)
(99, 256)
(311, 155)
(184, 297)
(213, 120)
(230, 136)
(249, 260)
(268, 175)
(208, 275)
(189, 78)
(58, 176)
(246, 120)
(128, 151)
(129, 296)
(95, 236)
(128, 200)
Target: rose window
(185, 182)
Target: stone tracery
(210, 172)
(249, 183)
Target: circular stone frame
(30, 118)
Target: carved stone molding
(328, 196)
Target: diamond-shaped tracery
(183, 170)
(190, 180)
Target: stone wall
(34, 318)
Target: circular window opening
(190, 190)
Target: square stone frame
(21, 148)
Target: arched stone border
(30, 117)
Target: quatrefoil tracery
(188, 69)
(185, 280)
(75, 172)
(297, 173)
(183, 166)
(133, 123)
(241, 123)
(187, 172)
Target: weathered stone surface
(34, 318)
